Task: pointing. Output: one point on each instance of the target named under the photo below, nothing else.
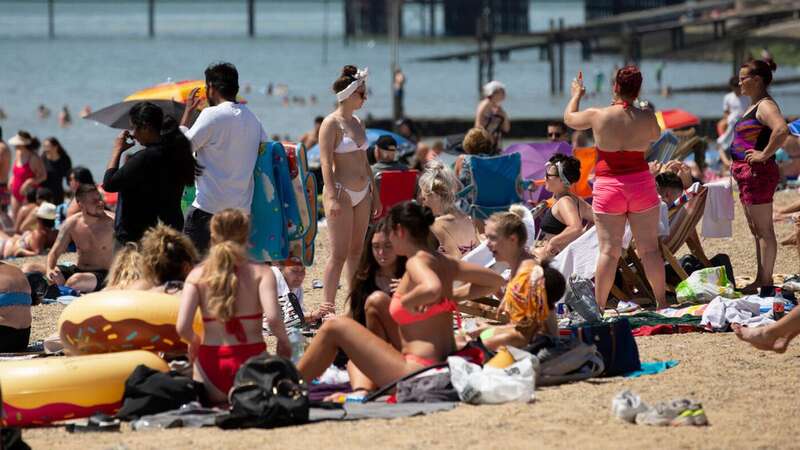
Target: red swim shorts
(622, 194)
(757, 181)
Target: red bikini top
(234, 327)
(621, 162)
(404, 317)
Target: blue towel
(652, 368)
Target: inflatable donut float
(117, 321)
(40, 391)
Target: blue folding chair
(495, 183)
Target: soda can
(777, 309)
(561, 309)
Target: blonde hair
(511, 224)
(478, 141)
(440, 180)
(126, 268)
(230, 229)
(166, 253)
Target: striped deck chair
(683, 230)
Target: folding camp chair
(662, 150)
(684, 231)
(395, 186)
(495, 184)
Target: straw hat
(18, 140)
(46, 211)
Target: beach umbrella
(404, 146)
(534, 156)
(671, 119)
(170, 96)
(118, 114)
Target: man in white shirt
(734, 105)
(225, 137)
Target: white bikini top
(349, 144)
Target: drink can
(561, 309)
(777, 309)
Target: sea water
(101, 54)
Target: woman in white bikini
(349, 195)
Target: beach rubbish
(671, 119)
(626, 405)
(489, 385)
(316, 284)
(120, 320)
(652, 368)
(44, 390)
(703, 285)
(298, 343)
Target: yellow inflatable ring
(116, 321)
(40, 391)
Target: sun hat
(493, 86)
(18, 140)
(46, 211)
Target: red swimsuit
(221, 362)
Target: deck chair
(684, 231)
(395, 186)
(588, 158)
(663, 149)
(494, 184)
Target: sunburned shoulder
(196, 274)
(528, 264)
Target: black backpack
(267, 392)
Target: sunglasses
(551, 175)
(553, 134)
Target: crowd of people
(406, 268)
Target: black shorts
(69, 271)
(14, 340)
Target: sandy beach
(745, 394)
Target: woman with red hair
(624, 190)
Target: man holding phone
(225, 137)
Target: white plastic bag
(489, 385)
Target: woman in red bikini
(232, 295)
(27, 171)
(423, 307)
(624, 190)
(757, 135)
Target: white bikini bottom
(356, 197)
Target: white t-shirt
(225, 138)
(289, 316)
(735, 105)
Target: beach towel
(359, 411)
(722, 312)
(652, 368)
(719, 211)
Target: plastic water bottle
(298, 343)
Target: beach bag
(149, 391)
(579, 297)
(564, 360)
(614, 340)
(429, 387)
(704, 285)
(489, 385)
(267, 392)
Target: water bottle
(298, 343)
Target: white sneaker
(626, 405)
(662, 414)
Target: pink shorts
(621, 194)
(757, 182)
